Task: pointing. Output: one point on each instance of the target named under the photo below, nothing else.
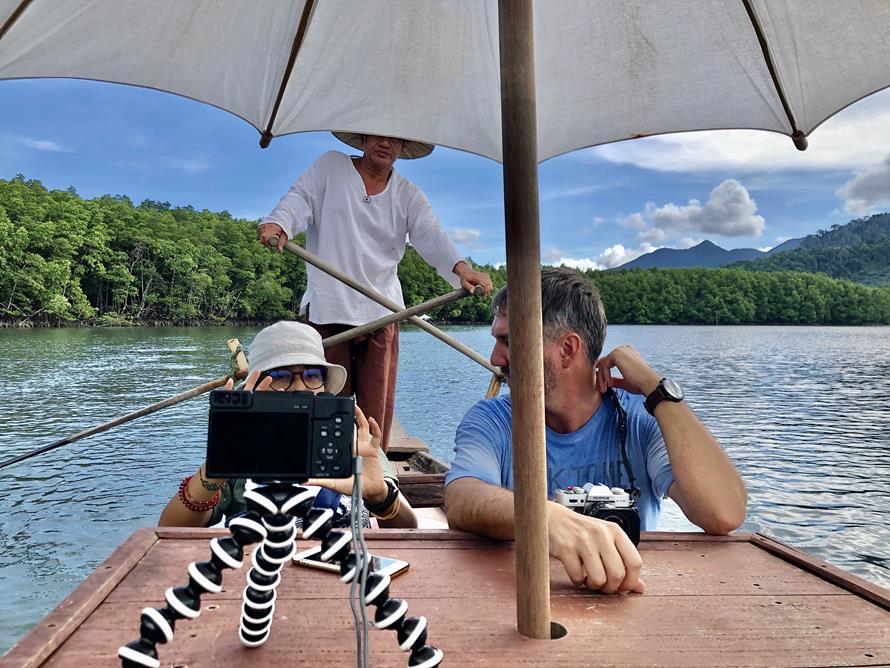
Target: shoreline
(83, 324)
(28, 324)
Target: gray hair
(570, 302)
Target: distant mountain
(785, 246)
(706, 254)
(858, 251)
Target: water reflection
(802, 412)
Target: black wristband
(386, 504)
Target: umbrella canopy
(508, 80)
(605, 70)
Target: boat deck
(711, 601)
(421, 475)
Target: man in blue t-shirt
(669, 451)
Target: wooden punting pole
(522, 232)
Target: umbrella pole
(522, 232)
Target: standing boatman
(358, 212)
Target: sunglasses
(313, 377)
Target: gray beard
(549, 378)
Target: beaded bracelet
(190, 503)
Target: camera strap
(622, 441)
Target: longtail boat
(603, 72)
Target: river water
(804, 413)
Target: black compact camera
(613, 505)
(288, 436)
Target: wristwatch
(667, 389)
(391, 495)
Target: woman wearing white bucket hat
(357, 212)
(289, 356)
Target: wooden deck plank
(696, 569)
(803, 631)
(710, 601)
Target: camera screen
(247, 444)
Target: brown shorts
(371, 362)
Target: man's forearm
(476, 506)
(708, 487)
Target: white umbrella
(561, 75)
(607, 70)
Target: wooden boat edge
(63, 621)
(836, 576)
(53, 630)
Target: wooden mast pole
(522, 231)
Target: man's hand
(637, 377)
(268, 230)
(470, 278)
(596, 554)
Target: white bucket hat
(412, 149)
(288, 343)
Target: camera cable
(359, 580)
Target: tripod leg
(258, 608)
(158, 624)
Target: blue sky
(600, 207)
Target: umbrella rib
(14, 17)
(295, 50)
(797, 135)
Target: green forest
(66, 260)
(858, 251)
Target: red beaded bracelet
(190, 503)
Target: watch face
(672, 389)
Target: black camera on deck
(613, 505)
(288, 436)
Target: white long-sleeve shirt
(363, 236)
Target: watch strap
(656, 396)
(385, 505)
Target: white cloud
(847, 141)
(566, 193)
(653, 234)
(462, 235)
(44, 145)
(617, 255)
(613, 256)
(729, 212)
(188, 165)
(576, 263)
(634, 221)
(687, 242)
(867, 190)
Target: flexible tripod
(271, 509)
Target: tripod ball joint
(335, 546)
